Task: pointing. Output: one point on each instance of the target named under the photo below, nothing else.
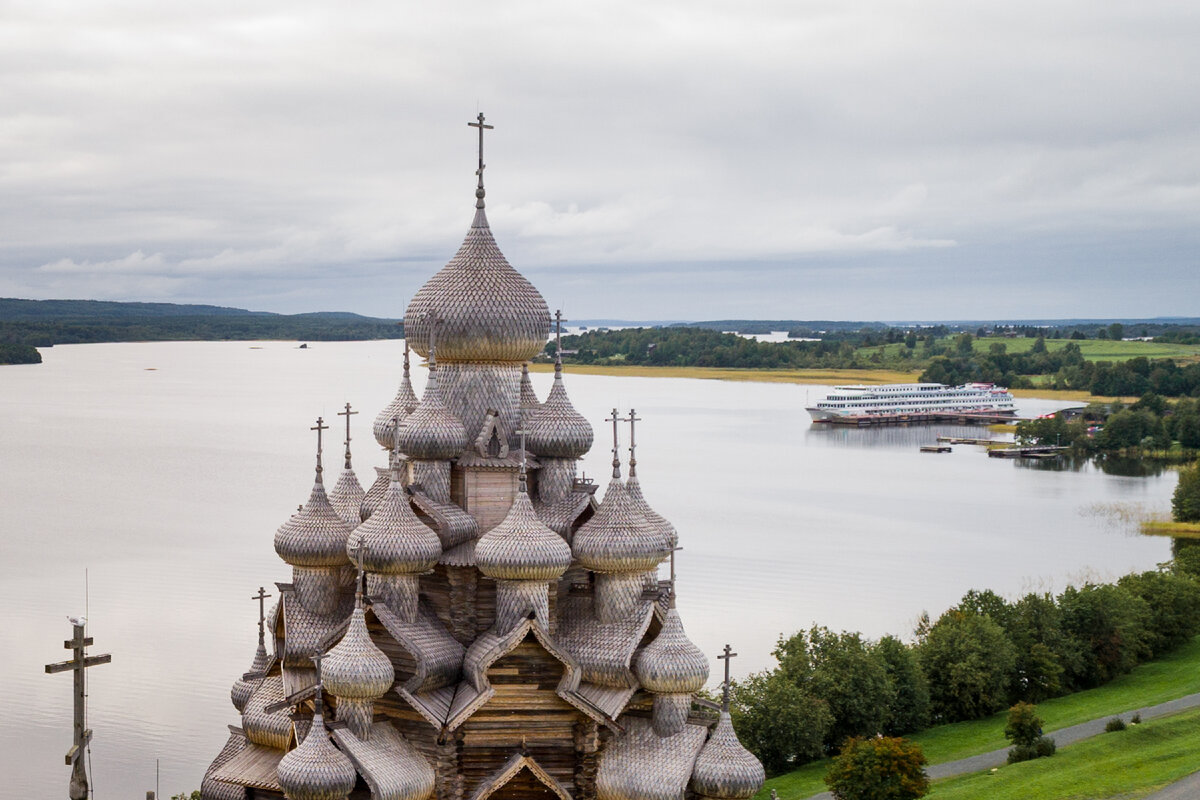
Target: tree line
(981, 656)
(1152, 423)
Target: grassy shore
(818, 376)
(804, 376)
(1124, 764)
(1154, 682)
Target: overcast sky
(667, 160)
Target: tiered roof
(510, 643)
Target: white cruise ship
(902, 401)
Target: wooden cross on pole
(479, 124)
(632, 419)
(355, 553)
(558, 321)
(729, 654)
(83, 735)
(347, 414)
(261, 597)
(317, 656)
(616, 462)
(319, 427)
(523, 477)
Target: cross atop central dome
(487, 310)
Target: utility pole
(83, 734)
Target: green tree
(879, 768)
(969, 662)
(909, 708)
(1039, 345)
(1024, 730)
(780, 723)
(852, 680)
(1185, 502)
(1035, 628)
(1116, 331)
(1173, 602)
(1108, 625)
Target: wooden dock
(1044, 451)
(966, 440)
(935, 448)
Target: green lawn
(1092, 349)
(1155, 682)
(1124, 764)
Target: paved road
(1065, 736)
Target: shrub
(879, 768)
(1114, 724)
(1024, 729)
(1136, 719)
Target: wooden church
(478, 624)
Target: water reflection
(897, 436)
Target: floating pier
(935, 448)
(1045, 451)
(966, 440)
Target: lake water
(163, 469)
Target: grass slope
(1174, 676)
(820, 376)
(1127, 764)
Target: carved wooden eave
(510, 770)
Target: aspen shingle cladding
(481, 708)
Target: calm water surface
(164, 469)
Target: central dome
(488, 310)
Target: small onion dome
(724, 769)
(557, 430)
(432, 432)
(653, 518)
(617, 538)
(356, 668)
(398, 410)
(394, 541)
(374, 495)
(316, 770)
(671, 664)
(316, 535)
(347, 496)
(488, 310)
(242, 688)
(521, 548)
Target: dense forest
(27, 324)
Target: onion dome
(671, 664)
(557, 430)
(521, 548)
(347, 496)
(316, 535)
(655, 520)
(242, 688)
(724, 769)
(393, 539)
(488, 310)
(432, 432)
(374, 495)
(356, 668)
(316, 770)
(529, 399)
(617, 538)
(396, 411)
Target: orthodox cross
(523, 478)
(616, 464)
(320, 426)
(633, 418)
(261, 597)
(434, 323)
(316, 657)
(729, 654)
(83, 735)
(479, 124)
(394, 456)
(355, 554)
(347, 414)
(558, 321)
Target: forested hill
(28, 324)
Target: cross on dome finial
(316, 658)
(435, 322)
(479, 193)
(406, 354)
(616, 462)
(558, 321)
(729, 654)
(347, 414)
(319, 427)
(632, 419)
(523, 477)
(261, 597)
(355, 554)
